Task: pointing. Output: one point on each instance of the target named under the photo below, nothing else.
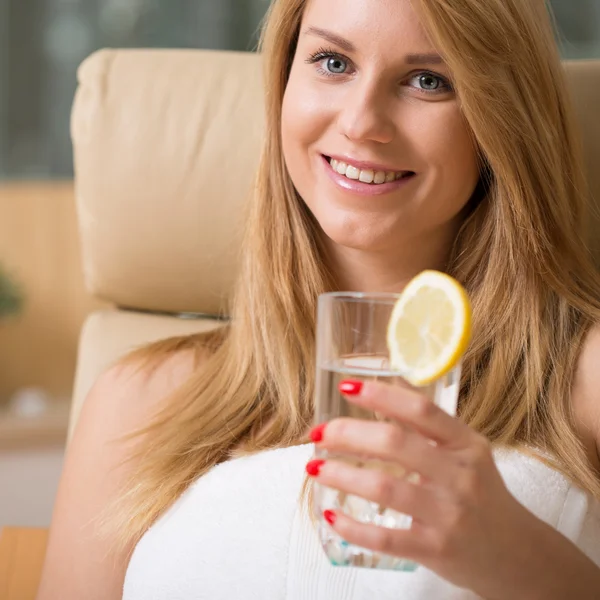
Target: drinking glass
(351, 344)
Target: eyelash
(323, 53)
(320, 55)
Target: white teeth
(366, 175)
(352, 172)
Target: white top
(240, 533)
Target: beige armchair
(166, 144)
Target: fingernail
(313, 468)
(351, 387)
(329, 516)
(316, 434)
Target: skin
(467, 526)
(377, 111)
(80, 564)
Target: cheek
(457, 155)
(294, 127)
(304, 120)
(444, 142)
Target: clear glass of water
(351, 344)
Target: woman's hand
(467, 527)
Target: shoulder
(152, 380)
(586, 393)
(128, 394)
(96, 468)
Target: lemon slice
(430, 327)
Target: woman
(460, 108)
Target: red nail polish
(316, 435)
(313, 467)
(330, 516)
(351, 387)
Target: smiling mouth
(368, 176)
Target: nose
(365, 114)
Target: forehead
(374, 27)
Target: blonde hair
(519, 253)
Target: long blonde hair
(519, 253)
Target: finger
(403, 543)
(381, 487)
(389, 442)
(411, 408)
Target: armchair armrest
(22, 552)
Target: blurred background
(43, 302)
(43, 41)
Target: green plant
(11, 298)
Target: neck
(390, 269)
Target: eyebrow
(411, 59)
(424, 59)
(331, 37)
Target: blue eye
(428, 82)
(330, 63)
(336, 65)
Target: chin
(355, 232)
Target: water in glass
(331, 404)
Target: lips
(365, 172)
(365, 179)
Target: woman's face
(373, 135)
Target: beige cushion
(110, 334)
(166, 146)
